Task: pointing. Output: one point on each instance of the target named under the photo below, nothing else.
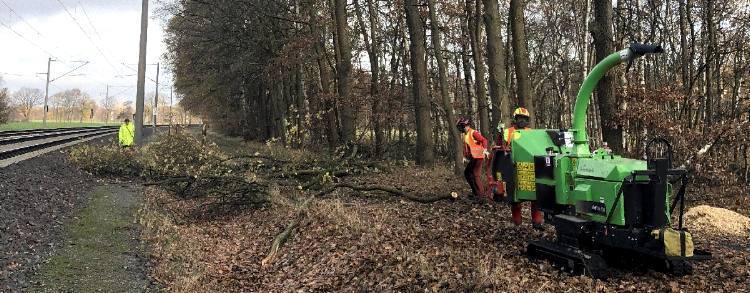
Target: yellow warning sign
(526, 176)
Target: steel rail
(44, 135)
(50, 141)
(48, 130)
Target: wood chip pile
(717, 220)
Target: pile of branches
(193, 170)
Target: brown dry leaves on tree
(716, 154)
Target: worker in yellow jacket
(127, 134)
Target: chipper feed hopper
(606, 209)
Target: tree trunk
(585, 41)
(424, 152)
(602, 33)
(329, 111)
(466, 64)
(473, 9)
(501, 107)
(372, 10)
(521, 57)
(455, 138)
(372, 53)
(343, 70)
(301, 97)
(710, 58)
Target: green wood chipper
(606, 209)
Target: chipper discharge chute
(606, 209)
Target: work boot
(537, 226)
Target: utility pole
(46, 92)
(140, 93)
(156, 95)
(49, 80)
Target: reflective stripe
(475, 148)
(508, 134)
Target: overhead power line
(87, 35)
(91, 24)
(21, 18)
(38, 33)
(20, 35)
(71, 71)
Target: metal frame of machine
(605, 208)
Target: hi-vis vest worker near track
(127, 134)
(475, 151)
(521, 117)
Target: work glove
(466, 161)
(486, 154)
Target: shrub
(105, 160)
(182, 155)
(179, 163)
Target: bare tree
(425, 153)
(109, 103)
(454, 137)
(125, 111)
(85, 106)
(372, 46)
(26, 99)
(344, 69)
(602, 33)
(4, 106)
(521, 57)
(496, 60)
(474, 12)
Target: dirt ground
(102, 251)
(37, 198)
(371, 241)
(50, 221)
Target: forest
(330, 158)
(392, 76)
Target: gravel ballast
(37, 197)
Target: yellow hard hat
(521, 111)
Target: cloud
(108, 36)
(43, 8)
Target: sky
(105, 33)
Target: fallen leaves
(355, 241)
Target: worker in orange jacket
(521, 118)
(475, 151)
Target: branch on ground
(282, 238)
(388, 189)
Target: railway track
(16, 146)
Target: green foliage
(182, 155)
(105, 160)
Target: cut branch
(388, 189)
